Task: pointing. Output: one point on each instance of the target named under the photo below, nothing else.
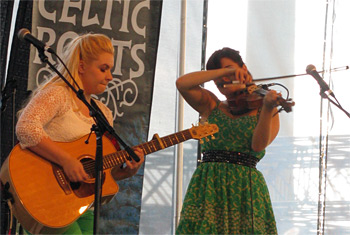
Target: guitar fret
(119, 157)
(151, 146)
(168, 140)
(108, 161)
(145, 148)
(148, 150)
(111, 160)
(173, 140)
(186, 135)
(164, 143)
(156, 145)
(125, 156)
(142, 147)
(181, 137)
(114, 157)
(177, 139)
(104, 163)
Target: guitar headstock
(203, 130)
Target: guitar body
(44, 201)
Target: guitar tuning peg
(207, 139)
(201, 141)
(212, 137)
(192, 125)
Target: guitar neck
(152, 146)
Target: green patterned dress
(220, 195)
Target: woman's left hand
(271, 99)
(131, 167)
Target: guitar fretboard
(152, 146)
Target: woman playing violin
(227, 194)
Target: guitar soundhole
(82, 189)
(87, 188)
(75, 185)
(89, 166)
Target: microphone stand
(100, 128)
(324, 95)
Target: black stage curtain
(14, 86)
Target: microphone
(311, 70)
(24, 35)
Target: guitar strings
(119, 157)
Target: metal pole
(179, 170)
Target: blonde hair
(86, 47)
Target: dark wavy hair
(226, 52)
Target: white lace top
(50, 113)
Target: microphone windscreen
(21, 33)
(310, 68)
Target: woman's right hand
(237, 74)
(72, 167)
(243, 76)
(74, 170)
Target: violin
(252, 97)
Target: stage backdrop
(133, 27)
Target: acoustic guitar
(45, 201)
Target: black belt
(230, 157)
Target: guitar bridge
(61, 179)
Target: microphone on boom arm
(24, 35)
(311, 70)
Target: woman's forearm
(266, 130)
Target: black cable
(64, 65)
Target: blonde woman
(54, 113)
